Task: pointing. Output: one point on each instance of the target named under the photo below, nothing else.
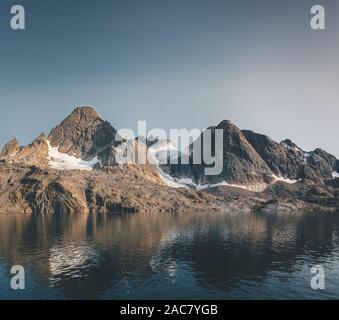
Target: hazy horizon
(177, 64)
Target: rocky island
(74, 169)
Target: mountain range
(74, 169)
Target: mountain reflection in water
(154, 256)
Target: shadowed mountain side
(241, 164)
(290, 161)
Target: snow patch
(286, 180)
(211, 185)
(335, 174)
(158, 153)
(291, 148)
(63, 161)
(161, 152)
(170, 181)
(188, 182)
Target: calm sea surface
(169, 256)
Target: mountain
(10, 149)
(35, 153)
(242, 165)
(323, 163)
(75, 168)
(288, 160)
(82, 134)
(283, 159)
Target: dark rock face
(323, 163)
(288, 160)
(241, 163)
(333, 183)
(288, 143)
(251, 158)
(307, 173)
(284, 159)
(83, 134)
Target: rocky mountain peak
(34, 154)
(288, 143)
(41, 137)
(284, 159)
(86, 113)
(10, 148)
(242, 165)
(14, 141)
(225, 124)
(82, 134)
(323, 163)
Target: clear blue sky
(174, 63)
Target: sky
(174, 63)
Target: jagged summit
(10, 148)
(82, 134)
(86, 112)
(81, 117)
(225, 124)
(288, 143)
(249, 158)
(241, 163)
(33, 154)
(284, 159)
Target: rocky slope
(287, 160)
(128, 188)
(284, 159)
(74, 169)
(34, 154)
